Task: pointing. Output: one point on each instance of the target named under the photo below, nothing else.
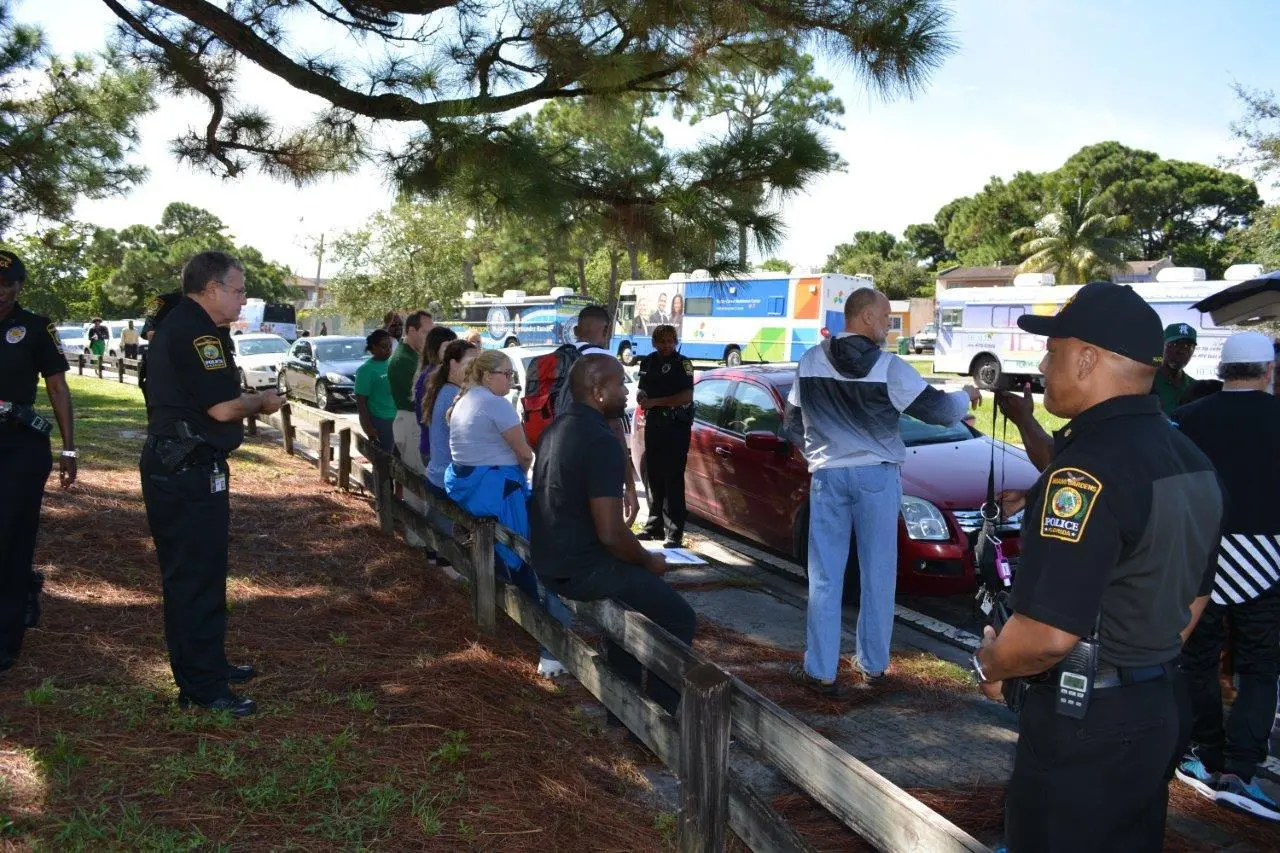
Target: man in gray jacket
(843, 411)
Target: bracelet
(978, 671)
(69, 454)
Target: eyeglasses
(238, 291)
(510, 374)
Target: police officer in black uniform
(194, 420)
(158, 307)
(666, 395)
(29, 348)
(1118, 544)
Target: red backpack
(544, 381)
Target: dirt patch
(387, 720)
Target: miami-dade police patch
(209, 349)
(688, 367)
(1068, 503)
(57, 341)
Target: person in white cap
(1238, 430)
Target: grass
(385, 721)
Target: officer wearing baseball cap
(29, 349)
(1172, 384)
(1117, 543)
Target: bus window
(949, 317)
(977, 316)
(626, 316)
(1006, 316)
(697, 306)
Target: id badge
(217, 481)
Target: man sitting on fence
(581, 547)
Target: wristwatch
(978, 672)
(69, 454)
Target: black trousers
(1097, 784)
(190, 525)
(26, 463)
(666, 453)
(1242, 744)
(130, 350)
(641, 590)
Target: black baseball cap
(1111, 316)
(12, 269)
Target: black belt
(201, 454)
(1109, 676)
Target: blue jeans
(866, 499)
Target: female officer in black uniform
(666, 395)
(29, 348)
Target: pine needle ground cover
(386, 721)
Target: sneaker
(551, 668)
(1247, 797)
(800, 676)
(867, 677)
(675, 540)
(1192, 772)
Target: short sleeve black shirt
(1125, 523)
(29, 349)
(190, 368)
(158, 307)
(663, 377)
(579, 458)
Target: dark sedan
(744, 476)
(323, 369)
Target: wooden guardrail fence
(716, 707)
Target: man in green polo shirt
(1172, 382)
(401, 371)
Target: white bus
(758, 317)
(978, 332)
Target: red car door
(758, 477)
(709, 398)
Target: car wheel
(733, 357)
(511, 342)
(626, 354)
(919, 350)
(323, 400)
(986, 371)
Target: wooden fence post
(484, 590)
(286, 428)
(251, 428)
(80, 363)
(344, 458)
(326, 449)
(120, 367)
(705, 720)
(384, 492)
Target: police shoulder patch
(688, 366)
(153, 306)
(209, 348)
(1068, 502)
(57, 341)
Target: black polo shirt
(579, 458)
(157, 308)
(190, 369)
(29, 348)
(1125, 521)
(664, 377)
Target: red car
(744, 476)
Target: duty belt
(199, 454)
(1109, 676)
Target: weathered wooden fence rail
(715, 707)
(115, 364)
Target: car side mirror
(767, 442)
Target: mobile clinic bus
(978, 332)
(757, 317)
(259, 316)
(517, 319)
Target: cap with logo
(1111, 316)
(12, 270)
(1247, 348)
(1179, 332)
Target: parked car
(258, 358)
(322, 369)
(925, 339)
(744, 476)
(73, 338)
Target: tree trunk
(742, 245)
(633, 252)
(611, 304)
(582, 275)
(468, 275)
(551, 276)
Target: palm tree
(1078, 241)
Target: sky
(1030, 84)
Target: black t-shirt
(579, 458)
(1240, 433)
(29, 348)
(665, 377)
(190, 369)
(1126, 520)
(99, 333)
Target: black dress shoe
(241, 674)
(239, 706)
(675, 540)
(33, 600)
(651, 531)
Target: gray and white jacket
(843, 408)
